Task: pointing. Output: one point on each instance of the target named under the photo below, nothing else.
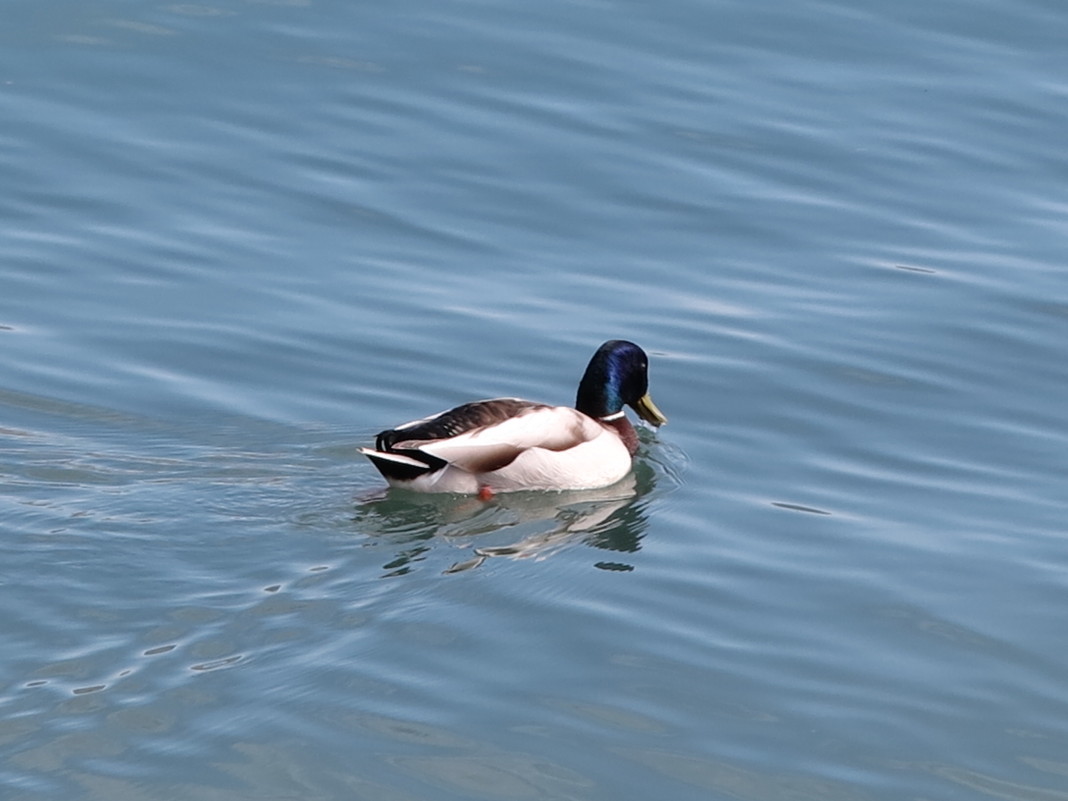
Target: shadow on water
(522, 525)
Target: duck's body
(507, 444)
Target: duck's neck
(604, 405)
(598, 394)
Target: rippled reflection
(526, 525)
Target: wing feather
(483, 450)
(453, 422)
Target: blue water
(237, 239)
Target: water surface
(239, 238)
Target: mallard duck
(508, 444)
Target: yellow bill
(648, 412)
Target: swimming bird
(508, 444)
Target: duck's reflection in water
(521, 525)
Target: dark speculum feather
(453, 423)
(407, 472)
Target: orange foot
(485, 493)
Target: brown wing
(454, 422)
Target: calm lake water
(239, 238)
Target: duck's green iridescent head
(618, 376)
